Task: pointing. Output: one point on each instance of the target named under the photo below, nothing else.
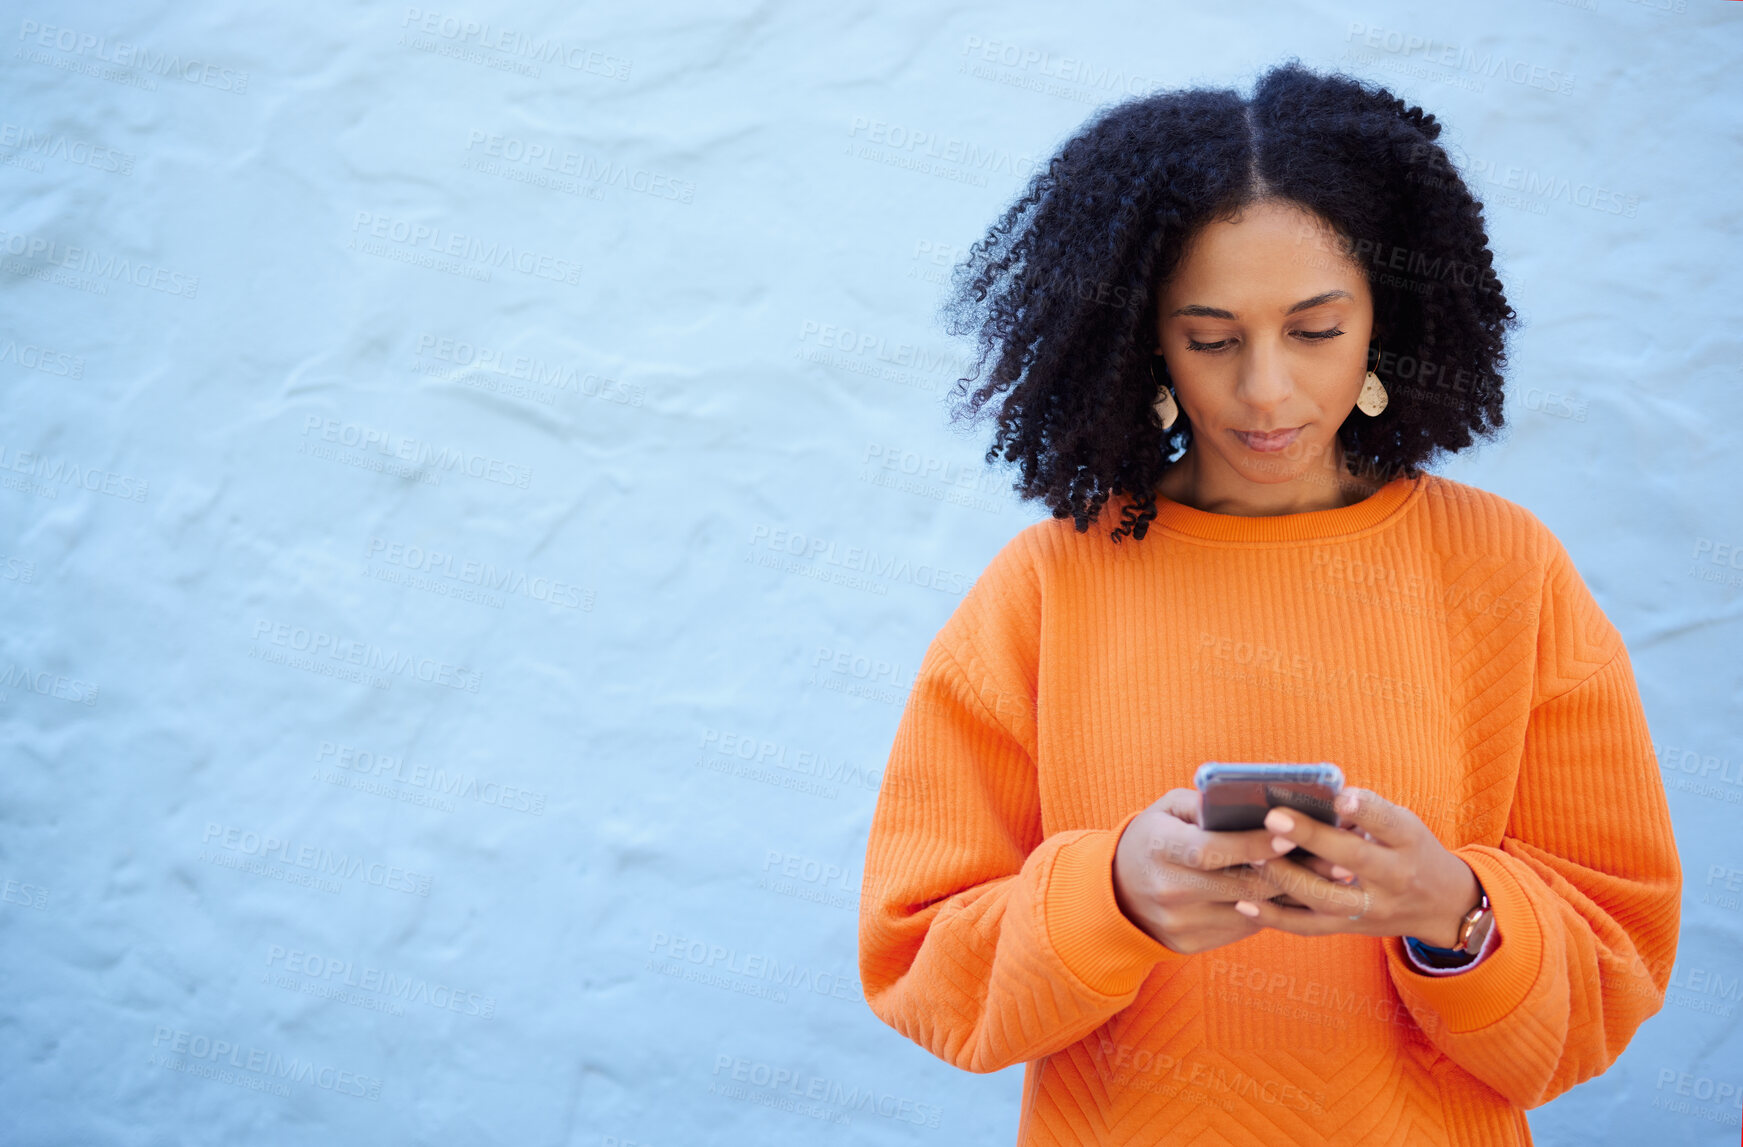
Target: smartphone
(1236, 797)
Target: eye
(1219, 347)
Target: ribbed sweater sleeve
(1585, 884)
(980, 940)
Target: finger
(1298, 886)
(1224, 886)
(1299, 921)
(1368, 860)
(1182, 803)
(1313, 891)
(1320, 866)
(1391, 824)
(1207, 915)
(1196, 848)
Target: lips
(1268, 443)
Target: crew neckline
(1309, 525)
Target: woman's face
(1265, 330)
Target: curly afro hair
(1062, 291)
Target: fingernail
(1279, 821)
(1347, 802)
(1282, 843)
(1339, 872)
(1246, 909)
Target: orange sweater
(1436, 642)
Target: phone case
(1235, 797)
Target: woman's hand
(1180, 883)
(1394, 877)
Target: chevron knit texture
(1433, 640)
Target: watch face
(1479, 930)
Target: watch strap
(1429, 954)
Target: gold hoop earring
(1166, 408)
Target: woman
(1238, 328)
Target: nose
(1263, 381)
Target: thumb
(1179, 803)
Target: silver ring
(1367, 903)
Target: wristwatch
(1474, 929)
(1476, 926)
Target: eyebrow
(1197, 310)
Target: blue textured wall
(410, 418)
